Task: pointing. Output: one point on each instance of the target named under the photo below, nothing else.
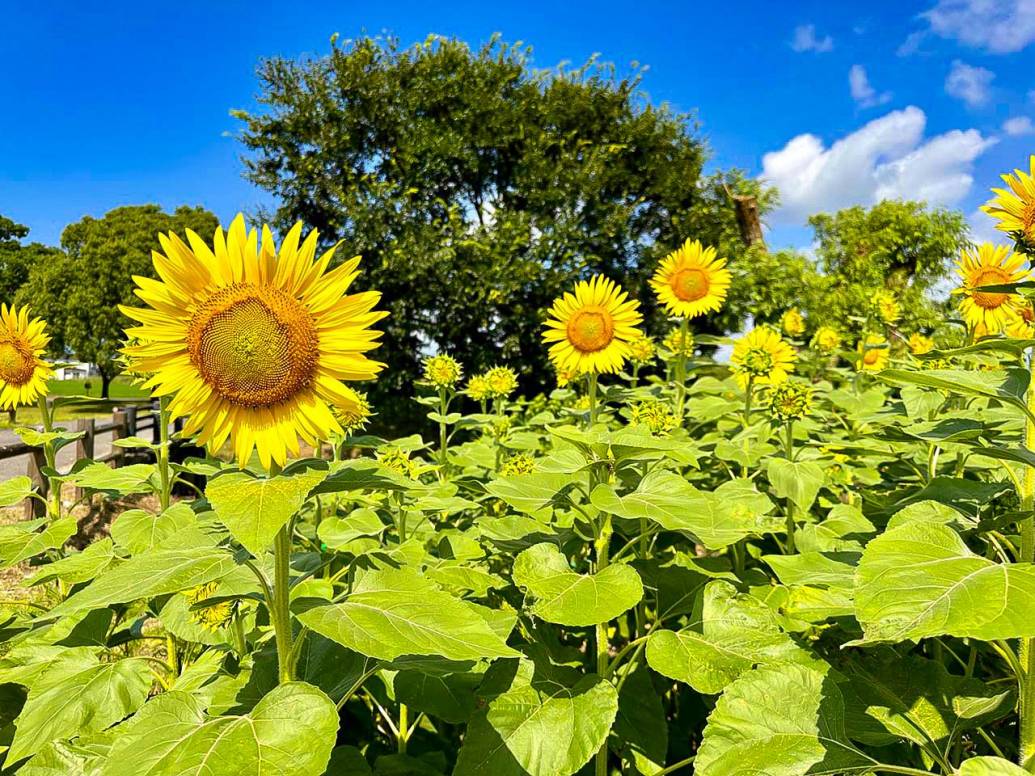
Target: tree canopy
(78, 289)
(478, 188)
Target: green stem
(592, 398)
(282, 601)
(748, 390)
(164, 471)
(789, 452)
(1026, 727)
(404, 728)
(50, 459)
(603, 544)
(443, 406)
(684, 328)
(673, 768)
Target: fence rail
(125, 422)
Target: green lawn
(120, 388)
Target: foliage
(17, 260)
(79, 289)
(477, 188)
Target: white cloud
(862, 92)
(911, 44)
(805, 39)
(1018, 125)
(997, 26)
(887, 158)
(970, 84)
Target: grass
(120, 388)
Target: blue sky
(838, 103)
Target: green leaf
(138, 531)
(921, 580)
(799, 481)
(397, 612)
(337, 532)
(79, 566)
(567, 598)
(640, 730)
(254, 509)
(732, 512)
(450, 697)
(782, 720)
(735, 632)
(1006, 385)
(20, 541)
(528, 493)
(538, 728)
(73, 704)
(14, 490)
(829, 569)
(990, 766)
(151, 574)
(290, 732)
(135, 478)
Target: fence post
(35, 507)
(131, 421)
(84, 445)
(121, 422)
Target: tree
(478, 189)
(79, 291)
(17, 260)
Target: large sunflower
(691, 281)
(763, 357)
(23, 372)
(874, 354)
(253, 343)
(1014, 207)
(990, 265)
(590, 330)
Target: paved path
(12, 467)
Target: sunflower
(990, 265)
(762, 356)
(590, 330)
(1024, 326)
(691, 281)
(1014, 207)
(919, 344)
(442, 371)
(353, 417)
(253, 344)
(887, 307)
(502, 381)
(23, 372)
(873, 353)
(642, 350)
(680, 344)
(478, 388)
(827, 339)
(792, 323)
(789, 401)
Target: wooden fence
(125, 422)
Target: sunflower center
(591, 329)
(758, 361)
(253, 345)
(871, 356)
(690, 284)
(17, 361)
(990, 276)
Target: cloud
(862, 92)
(970, 84)
(1017, 126)
(805, 40)
(997, 26)
(911, 44)
(886, 158)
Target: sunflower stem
(603, 544)
(592, 398)
(280, 606)
(684, 329)
(1026, 727)
(164, 472)
(789, 452)
(443, 407)
(50, 458)
(748, 390)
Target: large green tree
(79, 291)
(18, 259)
(478, 188)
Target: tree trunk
(748, 220)
(105, 383)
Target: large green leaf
(567, 598)
(137, 530)
(529, 493)
(21, 541)
(990, 766)
(78, 566)
(782, 720)
(798, 481)
(254, 509)
(538, 727)
(66, 705)
(718, 519)
(921, 579)
(735, 633)
(14, 490)
(640, 730)
(398, 612)
(290, 732)
(151, 574)
(1006, 385)
(136, 478)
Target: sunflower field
(777, 553)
